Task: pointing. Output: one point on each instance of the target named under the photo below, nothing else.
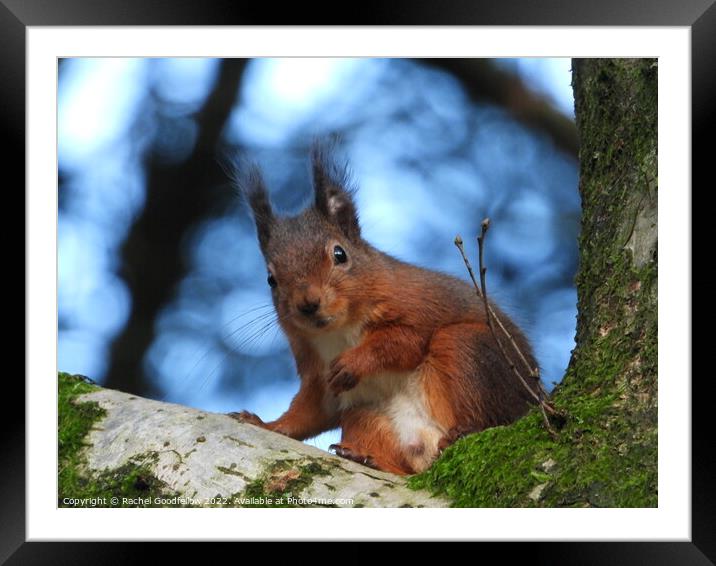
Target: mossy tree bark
(606, 454)
(118, 450)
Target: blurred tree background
(161, 286)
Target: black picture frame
(699, 15)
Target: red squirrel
(399, 357)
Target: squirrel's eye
(339, 255)
(271, 280)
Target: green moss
(597, 460)
(133, 484)
(282, 484)
(606, 454)
(491, 469)
(75, 420)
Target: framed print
(191, 90)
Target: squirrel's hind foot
(453, 435)
(345, 452)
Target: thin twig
(533, 372)
(481, 291)
(481, 295)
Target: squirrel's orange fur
(399, 357)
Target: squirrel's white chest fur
(398, 395)
(331, 344)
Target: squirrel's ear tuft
(334, 195)
(250, 184)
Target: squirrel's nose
(309, 307)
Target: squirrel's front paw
(340, 376)
(247, 417)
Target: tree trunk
(606, 453)
(485, 82)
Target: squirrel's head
(314, 260)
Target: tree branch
(210, 459)
(485, 82)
